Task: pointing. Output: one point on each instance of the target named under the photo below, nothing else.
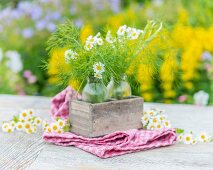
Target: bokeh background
(186, 76)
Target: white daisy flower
(10, 129)
(12, 123)
(154, 120)
(133, 33)
(59, 131)
(145, 119)
(121, 30)
(30, 111)
(54, 127)
(203, 137)
(27, 125)
(88, 46)
(187, 139)
(98, 75)
(48, 129)
(100, 41)
(167, 124)
(109, 38)
(98, 67)
(29, 131)
(24, 115)
(180, 138)
(151, 113)
(70, 54)
(90, 40)
(61, 123)
(45, 123)
(5, 127)
(162, 117)
(37, 121)
(151, 126)
(19, 126)
(158, 126)
(34, 129)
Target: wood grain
(20, 151)
(93, 120)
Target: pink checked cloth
(114, 144)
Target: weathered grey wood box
(93, 120)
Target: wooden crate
(93, 120)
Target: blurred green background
(185, 76)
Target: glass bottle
(122, 89)
(94, 91)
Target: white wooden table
(22, 151)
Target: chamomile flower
(100, 41)
(151, 126)
(45, 123)
(9, 129)
(29, 131)
(59, 131)
(161, 117)
(121, 30)
(24, 114)
(70, 55)
(180, 138)
(54, 127)
(145, 119)
(133, 33)
(158, 126)
(88, 46)
(30, 111)
(5, 126)
(90, 39)
(187, 139)
(109, 38)
(167, 124)
(37, 121)
(48, 129)
(151, 113)
(19, 126)
(154, 120)
(98, 67)
(203, 137)
(98, 75)
(12, 123)
(27, 125)
(61, 123)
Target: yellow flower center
(9, 130)
(60, 123)
(27, 126)
(166, 123)
(19, 126)
(55, 127)
(154, 120)
(24, 114)
(203, 136)
(158, 126)
(151, 113)
(188, 138)
(31, 112)
(38, 121)
(49, 130)
(98, 67)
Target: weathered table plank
(20, 151)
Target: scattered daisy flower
(194, 141)
(9, 129)
(145, 119)
(45, 123)
(37, 121)
(5, 127)
(54, 127)
(27, 125)
(158, 126)
(23, 115)
(19, 126)
(12, 123)
(187, 139)
(166, 123)
(61, 123)
(151, 126)
(203, 137)
(29, 131)
(180, 138)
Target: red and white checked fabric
(114, 144)
(60, 103)
(117, 143)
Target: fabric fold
(117, 143)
